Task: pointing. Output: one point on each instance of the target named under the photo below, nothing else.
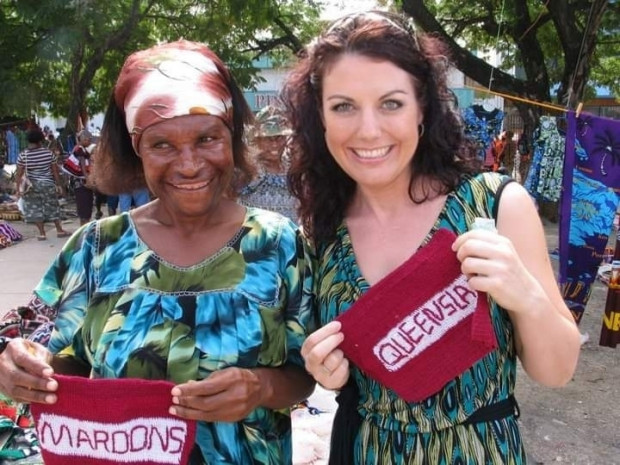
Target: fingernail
(175, 400)
(50, 399)
(175, 391)
(51, 385)
(172, 411)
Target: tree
(71, 51)
(554, 43)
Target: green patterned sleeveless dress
(430, 432)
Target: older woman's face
(271, 149)
(188, 162)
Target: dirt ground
(580, 423)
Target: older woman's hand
(324, 361)
(227, 395)
(25, 372)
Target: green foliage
(606, 58)
(68, 53)
(533, 36)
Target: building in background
(266, 92)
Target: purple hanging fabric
(591, 184)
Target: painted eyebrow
(384, 96)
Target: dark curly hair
(35, 136)
(118, 169)
(444, 154)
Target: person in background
(40, 200)
(270, 189)
(84, 195)
(380, 164)
(498, 145)
(54, 145)
(101, 199)
(112, 203)
(191, 287)
(524, 151)
(507, 153)
(135, 198)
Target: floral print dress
(126, 312)
(430, 432)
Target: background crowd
(241, 309)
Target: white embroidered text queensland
(426, 324)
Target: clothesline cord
(550, 106)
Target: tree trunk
(88, 58)
(578, 45)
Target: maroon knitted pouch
(421, 326)
(112, 421)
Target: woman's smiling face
(188, 162)
(371, 116)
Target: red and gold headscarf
(169, 80)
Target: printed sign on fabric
(421, 326)
(110, 421)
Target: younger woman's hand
(324, 361)
(492, 265)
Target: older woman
(192, 287)
(40, 199)
(270, 189)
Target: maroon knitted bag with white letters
(421, 326)
(112, 421)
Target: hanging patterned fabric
(591, 184)
(481, 126)
(549, 143)
(533, 175)
(22, 139)
(12, 146)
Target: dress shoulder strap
(479, 195)
(505, 181)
